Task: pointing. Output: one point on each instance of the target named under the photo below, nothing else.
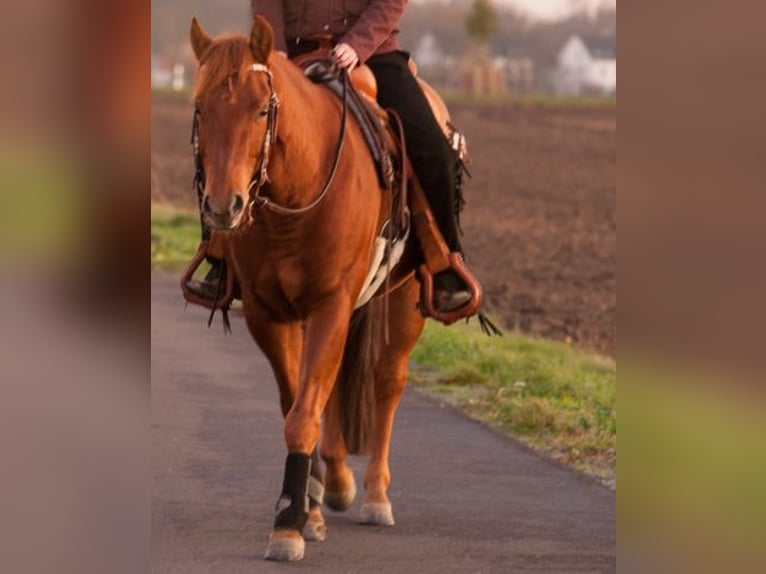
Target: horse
(299, 235)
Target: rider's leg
(432, 158)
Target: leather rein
(261, 174)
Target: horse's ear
(199, 40)
(261, 39)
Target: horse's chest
(289, 286)
(293, 280)
(295, 274)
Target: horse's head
(232, 100)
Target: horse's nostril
(206, 204)
(239, 203)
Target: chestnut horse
(300, 236)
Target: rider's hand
(345, 56)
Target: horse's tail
(356, 378)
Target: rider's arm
(274, 12)
(373, 27)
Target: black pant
(433, 160)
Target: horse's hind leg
(390, 380)
(316, 527)
(340, 487)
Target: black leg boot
(292, 510)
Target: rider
(365, 32)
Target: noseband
(261, 175)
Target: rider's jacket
(368, 26)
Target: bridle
(261, 175)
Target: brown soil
(540, 223)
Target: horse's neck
(306, 134)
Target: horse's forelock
(223, 58)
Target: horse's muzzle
(226, 217)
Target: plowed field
(540, 224)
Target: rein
(261, 177)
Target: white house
(163, 76)
(588, 65)
(428, 53)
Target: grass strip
(552, 397)
(175, 237)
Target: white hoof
(285, 549)
(315, 532)
(341, 500)
(377, 514)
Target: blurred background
(77, 157)
(484, 47)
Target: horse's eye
(263, 112)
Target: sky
(552, 9)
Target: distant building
(482, 74)
(520, 74)
(167, 77)
(428, 53)
(586, 66)
(162, 77)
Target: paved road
(465, 498)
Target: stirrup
(457, 265)
(224, 299)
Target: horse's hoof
(377, 514)
(285, 546)
(315, 531)
(341, 501)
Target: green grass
(175, 237)
(693, 464)
(45, 205)
(552, 397)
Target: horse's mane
(225, 57)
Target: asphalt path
(465, 498)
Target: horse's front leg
(390, 380)
(282, 343)
(324, 338)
